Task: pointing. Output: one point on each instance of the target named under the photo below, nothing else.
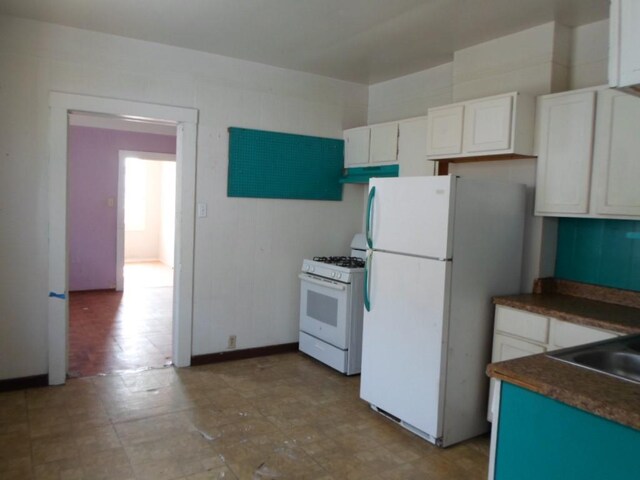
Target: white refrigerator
(439, 249)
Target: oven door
(324, 309)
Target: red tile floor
(113, 331)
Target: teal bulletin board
(282, 165)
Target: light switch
(111, 202)
(202, 210)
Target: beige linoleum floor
(278, 417)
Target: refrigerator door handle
(369, 223)
(367, 276)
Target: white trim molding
(185, 119)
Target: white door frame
(122, 155)
(186, 119)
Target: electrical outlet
(201, 210)
(232, 341)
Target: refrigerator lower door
(404, 339)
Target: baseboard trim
(21, 383)
(230, 355)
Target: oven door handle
(322, 283)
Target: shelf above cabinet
(442, 165)
(363, 174)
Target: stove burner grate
(347, 262)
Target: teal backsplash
(600, 252)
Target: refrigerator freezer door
(403, 338)
(412, 215)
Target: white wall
(168, 213)
(525, 62)
(590, 55)
(248, 251)
(411, 95)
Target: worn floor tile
(17, 468)
(279, 417)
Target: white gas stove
(331, 308)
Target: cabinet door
(508, 348)
(444, 131)
(412, 148)
(616, 158)
(487, 125)
(564, 144)
(356, 147)
(384, 143)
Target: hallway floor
(279, 417)
(113, 331)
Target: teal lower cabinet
(541, 438)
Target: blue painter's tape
(61, 296)
(633, 235)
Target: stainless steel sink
(619, 357)
(635, 346)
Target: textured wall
(247, 251)
(93, 179)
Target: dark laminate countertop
(597, 393)
(600, 307)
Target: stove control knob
(306, 268)
(338, 275)
(333, 274)
(311, 269)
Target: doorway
(185, 119)
(113, 192)
(146, 218)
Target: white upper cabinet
(487, 125)
(412, 148)
(383, 148)
(565, 137)
(616, 182)
(444, 130)
(624, 38)
(498, 125)
(588, 163)
(356, 147)
(371, 146)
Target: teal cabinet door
(541, 438)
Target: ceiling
(364, 41)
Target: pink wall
(93, 178)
